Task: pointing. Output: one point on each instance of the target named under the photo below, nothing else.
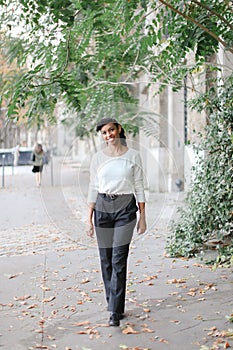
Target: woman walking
(115, 195)
(38, 156)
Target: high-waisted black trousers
(115, 220)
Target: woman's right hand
(90, 226)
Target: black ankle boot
(114, 320)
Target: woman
(116, 178)
(38, 156)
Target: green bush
(208, 209)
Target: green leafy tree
(72, 51)
(85, 52)
(88, 54)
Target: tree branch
(61, 72)
(198, 24)
(214, 13)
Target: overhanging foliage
(86, 53)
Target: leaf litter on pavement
(86, 291)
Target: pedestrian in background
(37, 158)
(115, 195)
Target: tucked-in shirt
(116, 175)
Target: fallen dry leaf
(14, 275)
(84, 323)
(147, 330)
(24, 297)
(32, 306)
(198, 265)
(132, 300)
(129, 330)
(163, 341)
(90, 331)
(25, 313)
(179, 280)
(50, 337)
(101, 325)
(210, 286)
(130, 291)
(192, 294)
(85, 280)
(198, 317)
(201, 291)
(45, 288)
(47, 300)
(83, 332)
(148, 278)
(184, 258)
(175, 321)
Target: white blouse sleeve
(93, 184)
(138, 179)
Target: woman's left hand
(90, 230)
(141, 227)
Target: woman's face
(111, 133)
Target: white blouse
(116, 175)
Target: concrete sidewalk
(51, 294)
